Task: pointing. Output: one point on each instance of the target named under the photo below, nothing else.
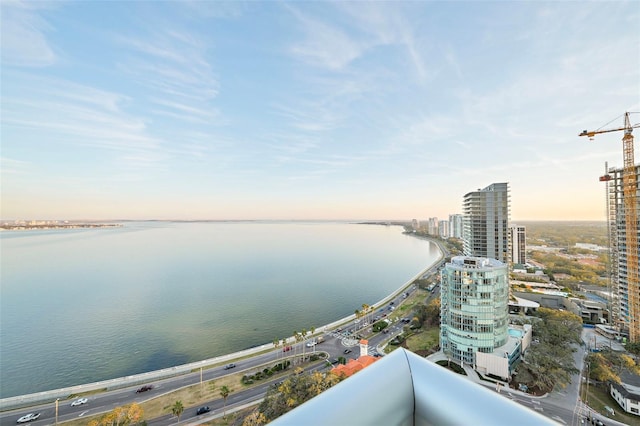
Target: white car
(29, 418)
(79, 401)
(312, 344)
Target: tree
(303, 335)
(601, 368)
(549, 366)
(224, 393)
(432, 312)
(276, 344)
(295, 346)
(550, 362)
(256, 418)
(633, 347)
(365, 312)
(120, 416)
(292, 392)
(134, 413)
(177, 409)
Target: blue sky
(311, 110)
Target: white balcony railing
(405, 389)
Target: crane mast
(630, 215)
(629, 184)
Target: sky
(311, 110)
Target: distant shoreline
(44, 226)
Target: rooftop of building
(354, 365)
(476, 262)
(524, 303)
(535, 284)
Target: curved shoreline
(126, 381)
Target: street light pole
(57, 399)
(586, 396)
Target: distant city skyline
(214, 110)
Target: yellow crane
(630, 188)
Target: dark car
(347, 351)
(144, 388)
(229, 366)
(203, 410)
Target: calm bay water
(78, 306)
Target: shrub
(379, 326)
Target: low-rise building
(503, 360)
(627, 393)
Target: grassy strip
(425, 339)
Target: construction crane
(630, 187)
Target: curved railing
(405, 389)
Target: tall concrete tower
(486, 222)
(517, 234)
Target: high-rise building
(517, 235)
(433, 226)
(624, 265)
(486, 222)
(455, 225)
(474, 298)
(443, 228)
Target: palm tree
(224, 393)
(276, 344)
(312, 331)
(303, 334)
(365, 311)
(298, 337)
(295, 347)
(177, 409)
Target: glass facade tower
(474, 307)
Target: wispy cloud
(12, 166)
(173, 65)
(82, 116)
(324, 45)
(24, 42)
